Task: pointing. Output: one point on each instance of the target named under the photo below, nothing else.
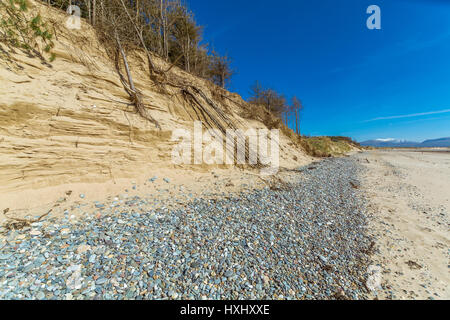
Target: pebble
(83, 248)
(5, 256)
(305, 240)
(40, 295)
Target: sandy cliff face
(71, 121)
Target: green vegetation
(17, 30)
(328, 146)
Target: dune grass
(327, 146)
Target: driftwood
(19, 223)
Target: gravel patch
(305, 241)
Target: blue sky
(388, 83)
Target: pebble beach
(304, 240)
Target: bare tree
(256, 93)
(163, 27)
(297, 107)
(220, 69)
(269, 99)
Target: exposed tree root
(135, 95)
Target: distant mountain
(395, 143)
(389, 143)
(443, 142)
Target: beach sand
(409, 195)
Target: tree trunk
(93, 12)
(125, 63)
(164, 30)
(137, 11)
(89, 12)
(149, 58)
(188, 57)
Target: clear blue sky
(389, 83)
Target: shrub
(19, 31)
(326, 146)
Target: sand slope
(68, 125)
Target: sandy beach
(372, 225)
(172, 150)
(409, 196)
